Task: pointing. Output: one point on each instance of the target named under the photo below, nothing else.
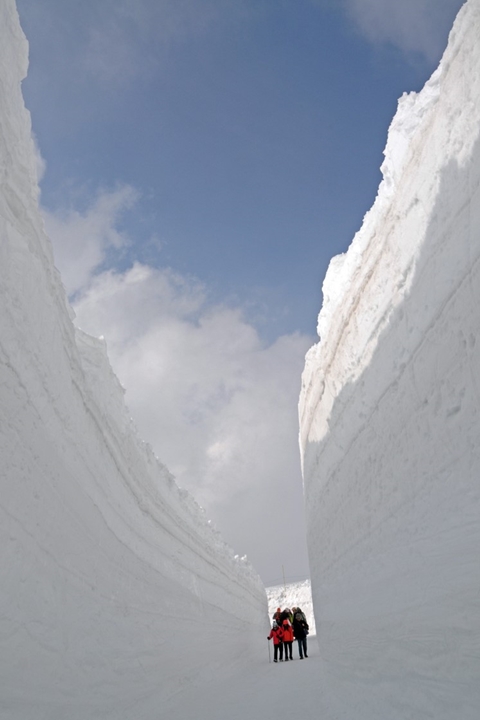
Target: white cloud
(414, 26)
(81, 240)
(218, 405)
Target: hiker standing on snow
(284, 614)
(299, 610)
(287, 637)
(277, 634)
(300, 629)
(276, 615)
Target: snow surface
(261, 689)
(116, 593)
(390, 419)
(117, 598)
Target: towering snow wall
(114, 590)
(390, 419)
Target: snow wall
(115, 592)
(390, 419)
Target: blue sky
(202, 162)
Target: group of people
(287, 625)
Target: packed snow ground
(261, 691)
(260, 688)
(390, 418)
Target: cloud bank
(82, 240)
(217, 404)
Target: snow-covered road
(259, 689)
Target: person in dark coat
(300, 629)
(299, 610)
(276, 616)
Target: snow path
(259, 690)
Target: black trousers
(278, 650)
(302, 646)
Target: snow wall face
(115, 592)
(390, 419)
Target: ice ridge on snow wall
(115, 592)
(390, 419)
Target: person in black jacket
(276, 616)
(300, 629)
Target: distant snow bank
(116, 591)
(390, 418)
(297, 594)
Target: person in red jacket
(287, 638)
(277, 634)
